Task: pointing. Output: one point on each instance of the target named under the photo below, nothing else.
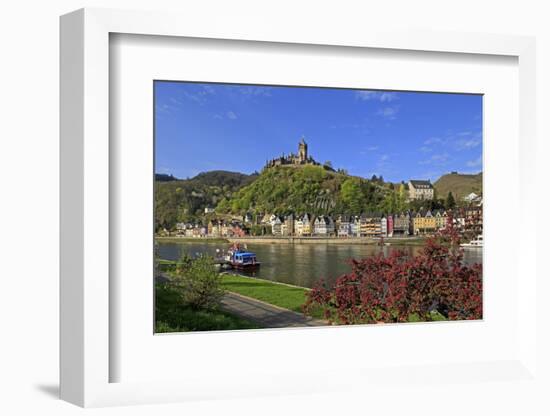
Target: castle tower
(302, 150)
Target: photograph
(291, 206)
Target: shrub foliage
(400, 288)
(198, 283)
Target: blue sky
(399, 135)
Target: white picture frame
(86, 331)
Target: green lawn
(289, 297)
(172, 316)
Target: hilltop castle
(301, 158)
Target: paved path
(265, 314)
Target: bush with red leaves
(396, 288)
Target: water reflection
(300, 264)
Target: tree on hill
(185, 200)
(313, 189)
(450, 203)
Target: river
(298, 264)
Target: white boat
(476, 242)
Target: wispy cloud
(468, 140)
(382, 96)
(439, 159)
(198, 95)
(433, 140)
(369, 149)
(474, 163)
(231, 115)
(463, 140)
(389, 113)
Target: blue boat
(242, 260)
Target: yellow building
(424, 222)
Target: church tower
(302, 150)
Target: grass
(284, 296)
(436, 316)
(289, 297)
(172, 316)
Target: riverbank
(216, 240)
(412, 241)
(281, 295)
(405, 241)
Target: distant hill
(184, 200)
(163, 177)
(223, 178)
(459, 184)
(305, 188)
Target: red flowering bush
(400, 288)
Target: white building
(420, 189)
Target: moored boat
(242, 259)
(476, 242)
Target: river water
(299, 264)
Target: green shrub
(199, 283)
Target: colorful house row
(221, 228)
(374, 224)
(371, 224)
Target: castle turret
(302, 150)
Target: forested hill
(312, 189)
(292, 189)
(459, 184)
(184, 200)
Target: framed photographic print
(376, 218)
(280, 213)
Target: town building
(363, 225)
(289, 225)
(343, 226)
(355, 226)
(237, 230)
(266, 219)
(402, 224)
(389, 225)
(473, 219)
(214, 228)
(440, 217)
(307, 225)
(276, 225)
(373, 225)
(420, 190)
(424, 222)
(472, 197)
(383, 226)
(319, 226)
(248, 218)
(298, 226)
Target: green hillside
(299, 189)
(185, 200)
(459, 184)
